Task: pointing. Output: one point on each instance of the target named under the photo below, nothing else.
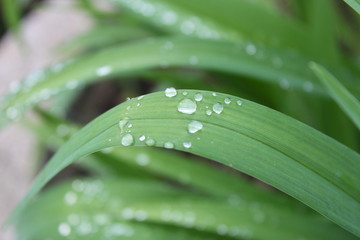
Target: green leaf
(340, 94)
(283, 69)
(155, 206)
(355, 4)
(251, 138)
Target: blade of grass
(355, 4)
(340, 94)
(251, 138)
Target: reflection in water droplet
(187, 144)
(170, 92)
(187, 106)
(218, 108)
(150, 142)
(169, 145)
(198, 97)
(227, 101)
(194, 126)
(64, 229)
(127, 140)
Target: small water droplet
(138, 105)
(198, 97)
(122, 123)
(64, 229)
(214, 94)
(218, 108)
(103, 71)
(142, 159)
(70, 198)
(169, 145)
(208, 112)
(170, 92)
(185, 93)
(187, 106)
(222, 229)
(169, 18)
(150, 142)
(193, 60)
(187, 144)
(130, 125)
(140, 97)
(308, 86)
(284, 83)
(142, 138)
(227, 101)
(127, 140)
(140, 215)
(194, 126)
(187, 27)
(239, 102)
(168, 46)
(250, 49)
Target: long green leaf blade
(355, 4)
(261, 142)
(341, 95)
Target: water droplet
(142, 138)
(185, 93)
(72, 84)
(170, 92)
(208, 112)
(84, 228)
(194, 126)
(250, 49)
(130, 125)
(138, 105)
(150, 142)
(187, 27)
(227, 101)
(140, 215)
(193, 60)
(222, 229)
(70, 198)
(101, 219)
(169, 145)
(103, 71)
(73, 219)
(169, 18)
(308, 86)
(127, 140)
(142, 159)
(187, 106)
(127, 213)
(218, 108)
(214, 94)
(198, 97)
(284, 83)
(122, 123)
(239, 102)
(118, 229)
(140, 97)
(187, 144)
(64, 229)
(12, 113)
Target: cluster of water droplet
(185, 105)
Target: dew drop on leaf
(122, 123)
(187, 106)
(187, 144)
(194, 126)
(227, 101)
(127, 140)
(218, 108)
(239, 102)
(198, 97)
(208, 112)
(142, 138)
(103, 71)
(170, 92)
(168, 145)
(150, 142)
(64, 229)
(250, 49)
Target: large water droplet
(194, 126)
(127, 140)
(187, 106)
(169, 145)
(218, 108)
(150, 142)
(187, 144)
(170, 92)
(198, 97)
(64, 229)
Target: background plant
(256, 50)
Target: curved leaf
(259, 141)
(340, 94)
(355, 4)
